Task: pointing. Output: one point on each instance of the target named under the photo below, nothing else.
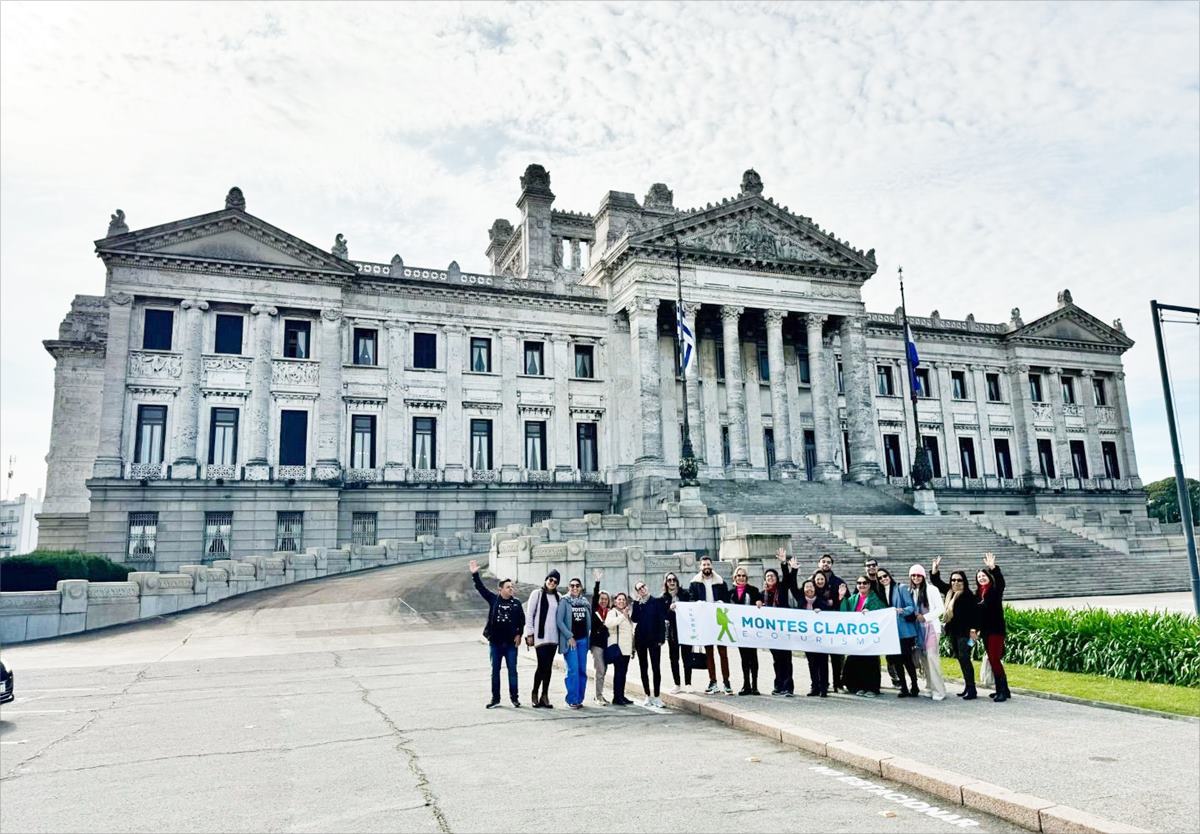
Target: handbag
(612, 653)
(696, 660)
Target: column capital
(815, 319)
(1119, 376)
(509, 333)
(559, 338)
(1054, 371)
(456, 329)
(193, 304)
(644, 306)
(729, 313)
(774, 317)
(1018, 368)
(619, 323)
(690, 308)
(331, 315)
(120, 298)
(1087, 373)
(260, 309)
(395, 324)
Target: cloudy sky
(999, 152)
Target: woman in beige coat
(620, 646)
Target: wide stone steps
(808, 541)
(1064, 542)
(770, 498)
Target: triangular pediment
(228, 236)
(755, 229)
(1070, 324)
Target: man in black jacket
(707, 586)
(505, 622)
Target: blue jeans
(508, 653)
(577, 671)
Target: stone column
(735, 407)
(1130, 463)
(691, 382)
(821, 376)
(512, 435)
(707, 367)
(575, 261)
(558, 364)
(396, 432)
(987, 455)
(329, 400)
(1025, 455)
(258, 416)
(945, 386)
(643, 329)
(455, 446)
(187, 418)
(109, 458)
(1062, 445)
(1091, 440)
(860, 405)
(781, 424)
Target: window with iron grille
(427, 522)
(540, 515)
(218, 530)
(289, 531)
(485, 521)
(143, 536)
(362, 528)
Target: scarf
(543, 609)
(601, 612)
(740, 591)
(810, 603)
(862, 600)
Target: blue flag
(687, 342)
(914, 361)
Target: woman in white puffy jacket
(929, 604)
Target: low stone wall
(79, 605)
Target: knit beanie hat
(917, 569)
(554, 574)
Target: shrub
(1132, 645)
(41, 570)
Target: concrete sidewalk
(1133, 769)
(1178, 602)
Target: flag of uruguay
(687, 342)
(913, 360)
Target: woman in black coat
(960, 618)
(743, 593)
(649, 633)
(673, 592)
(598, 642)
(989, 615)
(775, 595)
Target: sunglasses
(871, 565)
(576, 585)
(862, 584)
(883, 575)
(956, 579)
(551, 581)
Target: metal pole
(687, 456)
(1181, 488)
(921, 470)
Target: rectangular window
(1068, 390)
(923, 387)
(769, 446)
(891, 454)
(481, 444)
(929, 443)
(537, 516)
(846, 451)
(366, 342)
(841, 379)
(151, 431)
(218, 528)
(424, 450)
(427, 522)
(804, 368)
(1003, 458)
(156, 329)
(720, 360)
(222, 436)
(362, 529)
(1035, 388)
(585, 447)
(1099, 394)
(289, 531)
(725, 445)
(1045, 448)
(585, 367)
(425, 350)
(143, 536)
(362, 441)
(883, 381)
(993, 388)
(293, 438)
(810, 454)
(966, 456)
(485, 521)
(228, 336)
(1108, 449)
(481, 355)
(534, 356)
(535, 444)
(764, 364)
(296, 344)
(1079, 464)
(958, 382)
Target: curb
(1028, 811)
(1086, 702)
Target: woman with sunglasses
(897, 596)
(828, 594)
(574, 629)
(673, 593)
(818, 662)
(620, 638)
(601, 602)
(541, 633)
(650, 632)
(775, 595)
(743, 593)
(929, 605)
(860, 673)
(959, 620)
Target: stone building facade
(239, 390)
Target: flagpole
(922, 472)
(688, 468)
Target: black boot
(970, 694)
(1001, 689)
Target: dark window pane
(222, 436)
(966, 454)
(228, 338)
(481, 355)
(293, 438)
(993, 388)
(424, 443)
(764, 364)
(296, 339)
(151, 433)
(424, 350)
(481, 444)
(218, 529)
(289, 531)
(584, 368)
(805, 373)
(362, 528)
(156, 334)
(585, 434)
(535, 445)
(534, 365)
(930, 444)
(365, 342)
(362, 441)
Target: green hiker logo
(723, 622)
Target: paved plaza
(356, 704)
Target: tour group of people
(607, 630)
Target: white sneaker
(675, 690)
(939, 697)
(649, 702)
(658, 702)
(712, 689)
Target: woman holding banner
(775, 595)
(818, 662)
(860, 673)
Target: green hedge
(41, 570)
(1131, 645)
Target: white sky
(1000, 152)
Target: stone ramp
(770, 498)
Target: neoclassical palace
(237, 390)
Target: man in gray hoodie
(574, 629)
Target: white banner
(832, 632)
